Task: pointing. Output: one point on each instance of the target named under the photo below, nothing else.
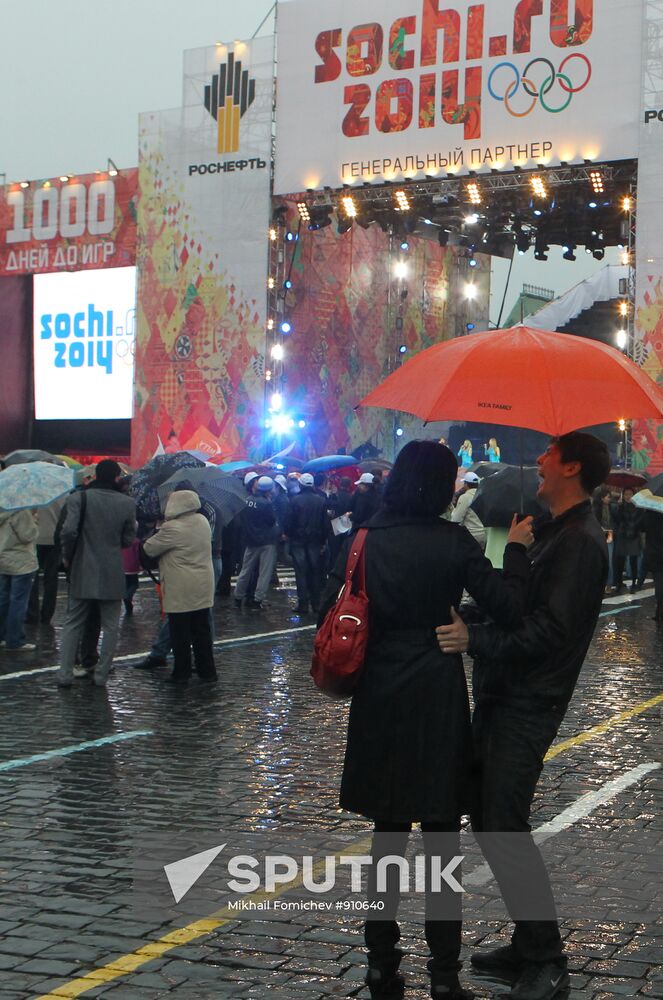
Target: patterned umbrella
(146, 481)
(647, 500)
(225, 493)
(34, 484)
(31, 455)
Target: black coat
(627, 520)
(653, 527)
(363, 506)
(258, 521)
(538, 663)
(307, 519)
(408, 753)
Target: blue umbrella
(328, 462)
(34, 484)
(235, 466)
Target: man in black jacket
(307, 528)
(261, 531)
(523, 681)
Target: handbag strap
(356, 561)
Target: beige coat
(183, 546)
(18, 542)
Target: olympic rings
(546, 86)
(546, 62)
(562, 107)
(510, 92)
(576, 55)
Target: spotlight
(598, 254)
(280, 423)
(569, 252)
(270, 282)
(471, 220)
(623, 308)
(301, 423)
(287, 283)
(627, 203)
(400, 270)
(473, 193)
(621, 339)
(402, 201)
(399, 432)
(405, 245)
(290, 236)
(622, 425)
(522, 241)
(64, 178)
(596, 180)
(443, 237)
(278, 352)
(276, 401)
(470, 291)
(349, 206)
(25, 184)
(272, 235)
(286, 328)
(304, 213)
(541, 249)
(538, 187)
(112, 169)
(469, 327)
(472, 262)
(343, 226)
(592, 204)
(402, 349)
(270, 323)
(319, 217)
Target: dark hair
(107, 471)
(593, 455)
(346, 483)
(319, 478)
(422, 481)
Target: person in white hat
(307, 528)
(251, 482)
(365, 501)
(463, 513)
(261, 531)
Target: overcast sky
(75, 75)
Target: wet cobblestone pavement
(261, 750)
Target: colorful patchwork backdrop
(349, 315)
(202, 258)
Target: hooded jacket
(18, 542)
(183, 546)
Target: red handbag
(340, 644)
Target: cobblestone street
(86, 773)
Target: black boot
(658, 616)
(444, 985)
(384, 985)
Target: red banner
(77, 224)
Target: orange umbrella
(521, 377)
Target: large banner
(76, 224)
(375, 90)
(203, 224)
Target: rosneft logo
(227, 98)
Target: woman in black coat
(408, 752)
(653, 528)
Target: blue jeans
(14, 597)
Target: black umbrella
(146, 481)
(483, 469)
(655, 484)
(225, 493)
(509, 491)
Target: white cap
(249, 477)
(306, 479)
(472, 478)
(281, 480)
(366, 478)
(265, 484)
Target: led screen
(84, 325)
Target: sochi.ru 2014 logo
(538, 91)
(227, 98)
